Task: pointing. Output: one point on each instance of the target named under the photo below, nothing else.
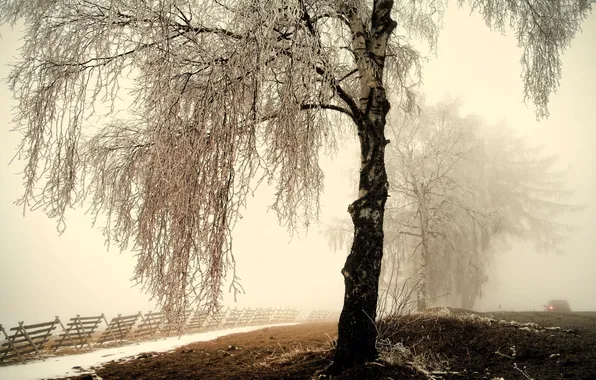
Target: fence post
(10, 345)
(21, 328)
(66, 334)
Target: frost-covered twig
(522, 371)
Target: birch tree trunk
(357, 333)
(356, 330)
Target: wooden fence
(197, 321)
(119, 329)
(26, 340)
(78, 332)
(36, 341)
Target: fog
(43, 274)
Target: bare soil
(458, 345)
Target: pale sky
(43, 275)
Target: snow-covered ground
(61, 366)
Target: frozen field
(61, 366)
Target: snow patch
(73, 365)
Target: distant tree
(224, 89)
(528, 189)
(458, 187)
(432, 168)
(528, 198)
(464, 185)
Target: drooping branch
(544, 29)
(328, 107)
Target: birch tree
(464, 186)
(528, 189)
(224, 90)
(460, 188)
(433, 163)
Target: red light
(550, 307)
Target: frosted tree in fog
(226, 92)
(438, 190)
(460, 189)
(528, 188)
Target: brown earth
(455, 345)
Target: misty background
(43, 274)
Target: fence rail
(77, 332)
(119, 329)
(36, 341)
(26, 340)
